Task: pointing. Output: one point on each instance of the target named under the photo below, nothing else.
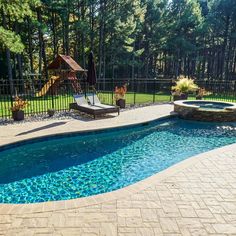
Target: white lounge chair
(82, 105)
(94, 101)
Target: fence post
(134, 91)
(112, 92)
(154, 91)
(11, 93)
(52, 93)
(171, 84)
(234, 92)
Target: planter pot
(176, 97)
(18, 115)
(184, 96)
(121, 103)
(51, 112)
(198, 97)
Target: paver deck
(13, 133)
(194, 197)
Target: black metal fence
(43, 95)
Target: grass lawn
(61, 102)
(137, 98)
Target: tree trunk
(225, 43)
(54, 35)
(101, 36)
(8, 57)
(42, 50)
(66, 27)
(30, 49)
(92, 26)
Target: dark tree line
(130, 38)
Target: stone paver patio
(194, 197)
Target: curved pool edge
(30, 208)
(39, 138)
(25, 131)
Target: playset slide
(47, 86)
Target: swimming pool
(67, 167)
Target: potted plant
(201, 92)
(18, 109)
(183, 87)
(176, 95)
(51, 112)
(120, 95)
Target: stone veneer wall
(191, 113)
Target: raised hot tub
(206, 110)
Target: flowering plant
(202, 92)
(120, 92)
(19, 104)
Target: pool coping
(183, 103)
(78, 132)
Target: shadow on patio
(42, 128)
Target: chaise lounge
(82, 105)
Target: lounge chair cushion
(93, 99)
(80, 100)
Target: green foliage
(11, 40)
(185, 85)
(185, 22)
(129, 37)
(15, 11)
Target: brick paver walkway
(195, 197)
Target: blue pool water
(98, 162)
(206, 105)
